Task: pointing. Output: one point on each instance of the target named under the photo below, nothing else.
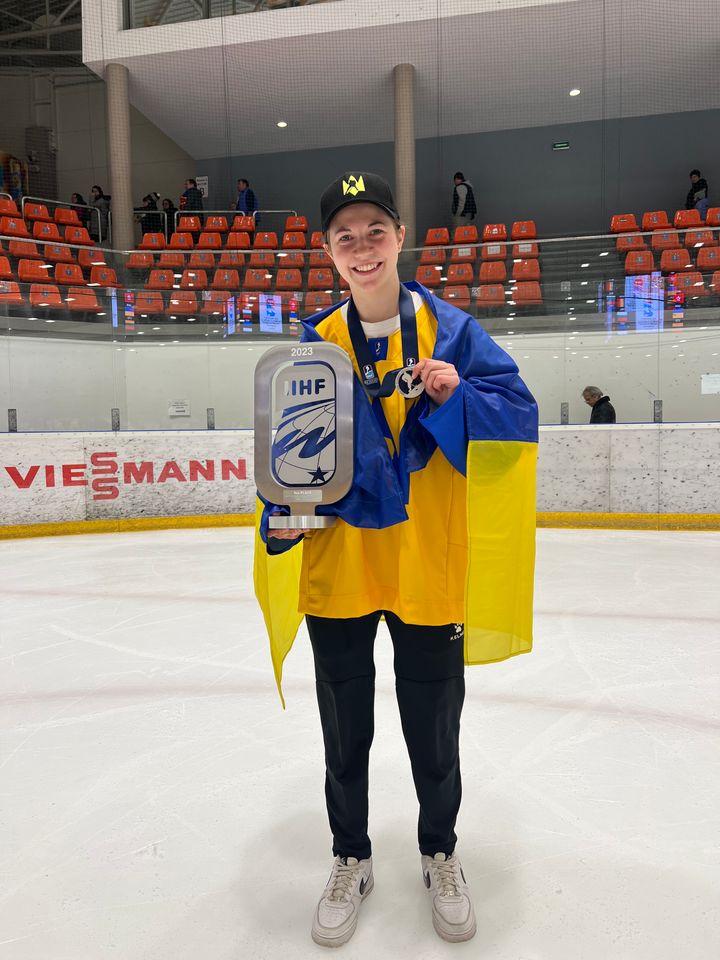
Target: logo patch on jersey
(378, 347)
(353, 186)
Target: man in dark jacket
(697, 198)
(464, 207)
(191, 198)
(602, 410)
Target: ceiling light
(282, 123)
(574, 92)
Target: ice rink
(157, 803)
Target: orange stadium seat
(700, 238)
(655, 220)
(82, 298)
(494, 231)
(183, 302)
(630, 241)
(712, 217)
(68, 218)
(296, 223)
(691, 283)
(152, 241)
(316, 240)
(162, 279)
(8, 208)
(687, 219)
(216, 301)
(715, 282)
(288, 280)
(673, 260)
(526, 270)
(639, 261)
(226, 279)
(181, 240)
(173, 261)
(69, 273)
(231, 258)
(460, 273)
(458, 295)
(149, 302)
(238, 241)
(317, 300)
(293, 240)
(491, 295)
(493, 251)
(33, 271)
(43, 230)
(262, 259)
(665, 240)
(103, 277)
(463, 254)
(24, 248)
(523, 230)
(193, 280)
(78, 235)
(5, 271)
(58, 253)
(437, 237)
(433, 256)
(188, 223)
(216, 223)
(14, 227)
(265, 240)
(708, 259)
(10, 293)
(203, 259)
(36, 211)
(466, 234)
(527, 293)
(493, 272)
(87, 257)
(256, 280)
(320, 279)
(318, 258)
(525, 251)
(294, 260)
(428, 275)
(140, 261)
(623, 223)
(209, 241)
(46, 295)
(243, 224)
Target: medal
(408, 386)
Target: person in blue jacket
(436, 535)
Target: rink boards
(626, 475)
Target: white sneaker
(336, 916)
(452, 910)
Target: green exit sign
(561, 145)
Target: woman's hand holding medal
(440, 379)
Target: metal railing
(56, 204)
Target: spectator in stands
(191, 198)
(697, 198)
(100, 200)
(464, 207)
(246, 202)
(170, 211)
(602, 410)
(150, 222)
(80, 208)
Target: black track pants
(430, 691)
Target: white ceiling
(505, 67)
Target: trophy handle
(310, 521)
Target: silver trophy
(303, 430)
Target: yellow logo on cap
(353, 186)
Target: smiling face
(364, 242)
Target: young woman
(445, 440)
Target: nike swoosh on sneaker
(363, 885)
(426, 878)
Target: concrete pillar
(404, 85)
(119, 153)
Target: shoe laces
(343, 880)
(445, 873)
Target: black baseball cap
(356, 187)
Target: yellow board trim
(565, 520)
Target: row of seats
(253, 279)
(63, 216)
(667, 240)
(490, 272)
(491, 233)
(143, 260)
(46, 295)
(33, 271)
(672, 261)
(17, 228)
(658, 220)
